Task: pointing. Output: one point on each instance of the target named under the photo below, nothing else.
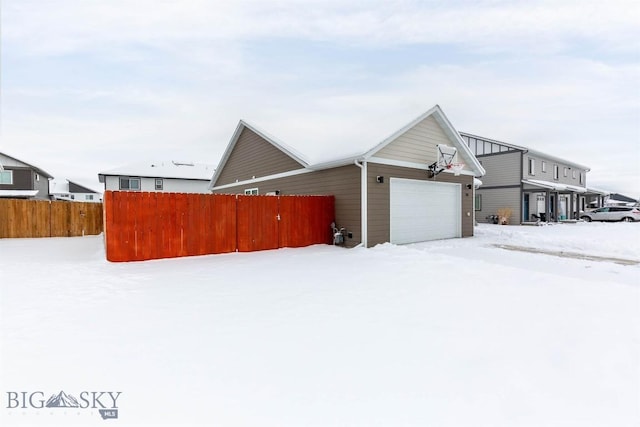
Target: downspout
(363, 201)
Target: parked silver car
(612, 213)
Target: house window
(544, 166)
(581, 178)
(88, 197)
(6, 177)
(37, 177)
(251, 192)
(532, 166)
(478, 204)
(573, 174)
(565, 172)
(556, 172)
(159, 184)
(132, 184)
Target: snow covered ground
(449, 333)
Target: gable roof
(242, 125)
(453, 135)
(361, 154)
(528, 150)
(64, 186)
(163, 169)
(35, 168)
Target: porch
(547, 201)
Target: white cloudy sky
(92, 85)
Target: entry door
(424, 210)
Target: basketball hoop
(456, 168)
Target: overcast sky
(87, 86)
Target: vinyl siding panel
(378, 197)
(548, 175)
(342, 182)
(22, 180)
(497, 198)
(169, 185)
(418, 144)
(502, 169)
(253, 156)
(41, 184)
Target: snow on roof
(556, 186)
(340, 142)
(165, 169)
(18, 193)
(37, 169)
(58, 186)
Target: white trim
(453, 135)
(263, 178)
(363, 202)
(405, 164)
(18, 193)
(9, 173)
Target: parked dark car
(612, 213)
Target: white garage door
(424, 210)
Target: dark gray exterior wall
(76, 188)
(27, 179)
(22, 179)
(251, 157)
(342, 182)
(378, 198)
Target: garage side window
(251, 192)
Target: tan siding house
(257, 163)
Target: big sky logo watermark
(106, 402)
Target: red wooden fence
(142, 226)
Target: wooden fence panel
(257, 223)
(305, 220)
(43, 218)
(223, 224)
(142, 226)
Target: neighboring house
(384, 194)
(72, 191)
(165, 176)
(616, 199)
(532, 184)
(19, 179)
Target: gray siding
(253, 156)
(501, 169)
(547, 175)
(497, 198)
(342, 182)
(378, 198)
(27, 179)
(41, 184)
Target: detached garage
(401, 190)
(424, 210)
